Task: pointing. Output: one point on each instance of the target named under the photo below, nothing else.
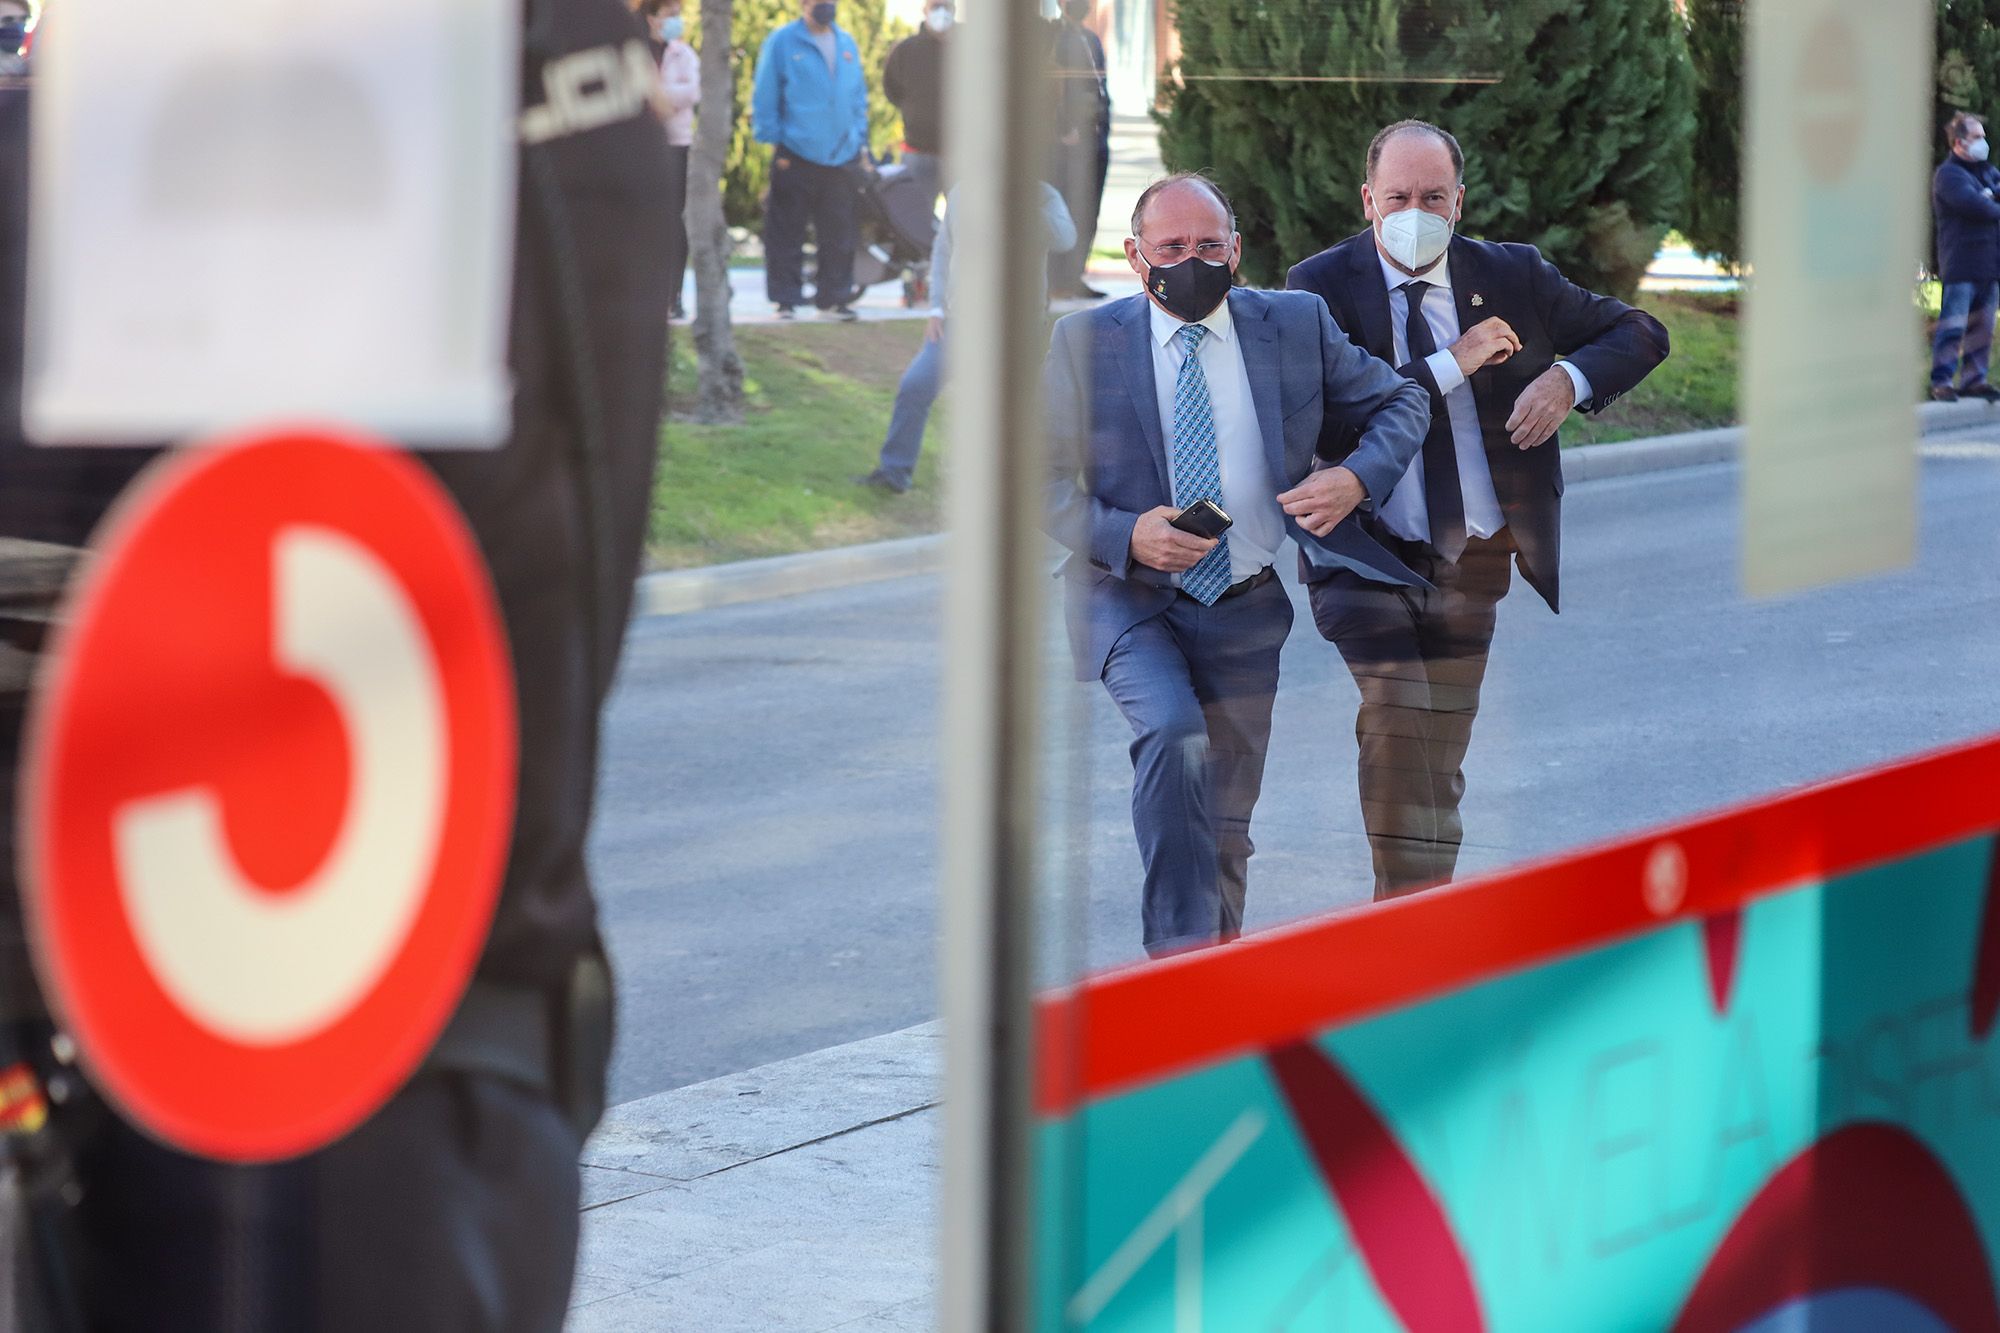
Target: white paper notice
(248, 210)
(1836, 175)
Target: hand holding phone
(1203, 518)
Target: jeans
(914, 397)
(1965, 329)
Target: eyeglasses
(1213, 252)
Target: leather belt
(1251, 584)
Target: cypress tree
(1575, 119)
(1715, 43)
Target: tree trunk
(719, 396)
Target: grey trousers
(1197, 684)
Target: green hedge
(1576, 120)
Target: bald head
(1408, 134)
(1176, 190)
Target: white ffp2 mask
(1414, 238)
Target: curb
(1663, 453)
(680, 591)
(688, 1133)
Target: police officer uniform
(456, 1206)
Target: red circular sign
(268, 789)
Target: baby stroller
(897, 227)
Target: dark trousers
(454, 1208)
(1419, 658)
(1197, 684)
(677, 234)
(805, 193)
(1080, 171)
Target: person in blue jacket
(1968, 248)
(810, 103)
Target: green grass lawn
(820, 397)
(1696, 387)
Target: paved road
(766, 837)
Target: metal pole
(992, 624)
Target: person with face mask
(1504, 348)
(1968, 250)
(680, 86)
(809, 101)
(913, 81)
(15, 21)
(1200, 391)
(1081, 153)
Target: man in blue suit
(1504, 347)
(1198, 391)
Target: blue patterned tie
(1197, 464)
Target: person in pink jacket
(680, 81)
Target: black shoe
(1943, 393)
(882, 481)
(677, 315)
(787, 312)
(1084, 293)
(846, 314)
(1984, 392)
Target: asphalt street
(766, 840)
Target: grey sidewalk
(797, 1197)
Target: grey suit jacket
(1108, 453)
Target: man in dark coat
(1506, 347)
(1968, 249)
(1082, 150)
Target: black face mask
(13, 35)
(1191, 289)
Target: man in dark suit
(1190, 392)
(1968, 251)
(1504, 347)
(1082, 151)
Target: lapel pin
(1477, 299)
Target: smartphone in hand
(1203, 518)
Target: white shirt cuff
(1444, 369)
(1583, 393)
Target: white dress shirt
(1405, 512)
(1249, 492)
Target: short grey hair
(1165, 183)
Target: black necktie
(1443, 499)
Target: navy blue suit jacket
(1968, 220)
(1613, 344)
(1108, 451)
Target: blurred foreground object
(1835, 153)
(244, 212)
(456, 1205)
